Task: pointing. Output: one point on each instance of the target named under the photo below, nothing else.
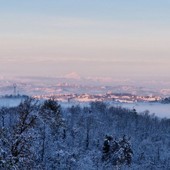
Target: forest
(43, 135)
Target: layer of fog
(160, 110)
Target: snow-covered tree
(117, 152)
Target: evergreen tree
(117, 153)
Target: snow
(79, 141)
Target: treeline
(40, 135)
(166, 100)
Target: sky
(93, 38)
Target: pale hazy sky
(113, 38)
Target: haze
(118, 39)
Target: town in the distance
(72, 90)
